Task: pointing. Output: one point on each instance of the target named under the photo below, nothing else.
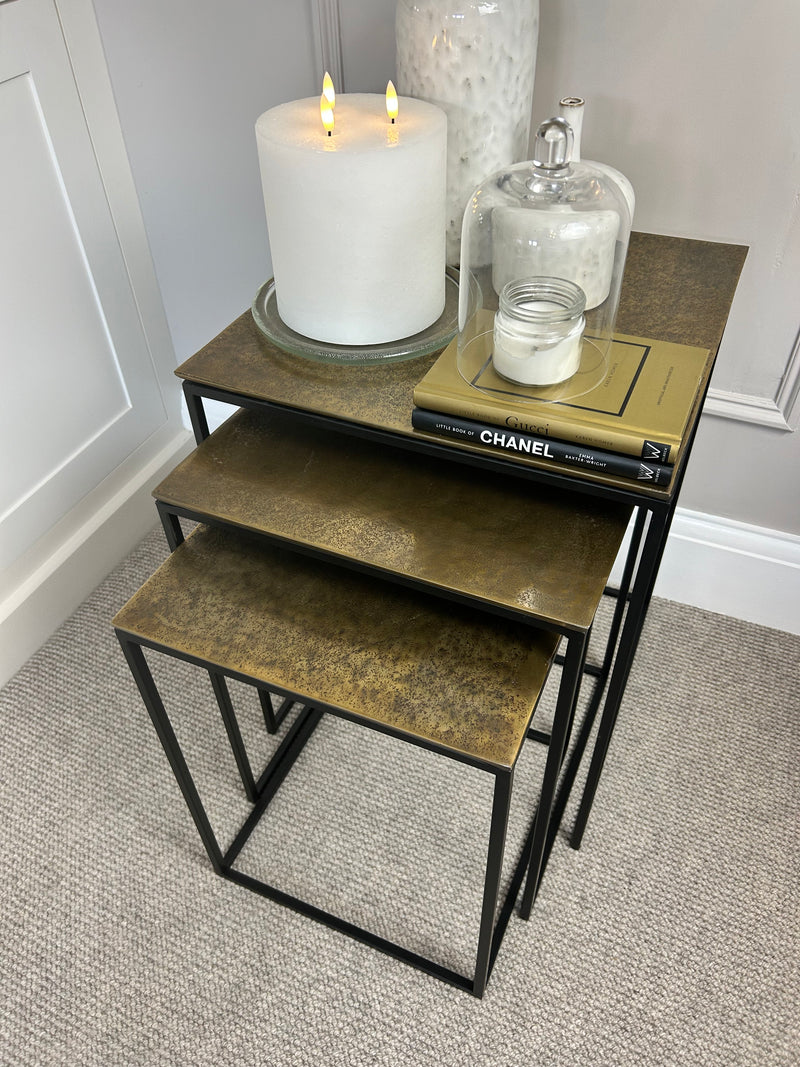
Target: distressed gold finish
(545, 552)
(673, 289)
(678, 290)
(420, 667)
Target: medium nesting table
(383, 588)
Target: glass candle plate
(265, 314)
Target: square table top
(544, 555)
(674, 289)
(413, 665)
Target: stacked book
(625, 414)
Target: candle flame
(391, 101)
(326, 113)
(328, 91)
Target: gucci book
(637, 401)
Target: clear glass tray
(265, 314)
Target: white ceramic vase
(477, 61)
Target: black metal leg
(644, 584)
(582, 739)
(623, 591)
(491, 888)
(277, 769)
(172, 526)
(197, 414)
(272, 718)
(267, 710)
(155, 707)
(654, 542)
(565, 709)
(234, 734)
(667, 525)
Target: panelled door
(79, 391)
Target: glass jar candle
(538, 329)
(548, 218)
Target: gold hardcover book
(637, 401)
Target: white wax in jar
(356, 220)
(528, 353)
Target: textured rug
(672, 937)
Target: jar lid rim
(569, 299)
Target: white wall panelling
(756, 410)
(82, 388)
(189, 82)
(774, 413)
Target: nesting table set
(354, 567)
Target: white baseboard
(734, 569)
(60, 571)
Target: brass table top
(419, 667)
(673, 289)
(546, 553)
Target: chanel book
(542, 448)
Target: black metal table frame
(493, 922)
(552, 798)
(633, 594)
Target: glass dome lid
(526, 229)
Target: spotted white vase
(477, 61)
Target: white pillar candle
(356, 220)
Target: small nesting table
(430, 672)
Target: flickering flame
(391, 101)
(328, 91)
(326, 113)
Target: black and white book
(547, 449)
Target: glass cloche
(543, 249)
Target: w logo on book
(655, 451)
(646, 474)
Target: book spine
(552, 425)
(542, 448)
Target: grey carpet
(672, 937)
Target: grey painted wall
(694, 102)
(190, 79)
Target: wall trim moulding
(733, 568)
(758, 410)
(328, 40)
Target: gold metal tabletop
(419, 667)
(673, 289)
(546, 553)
